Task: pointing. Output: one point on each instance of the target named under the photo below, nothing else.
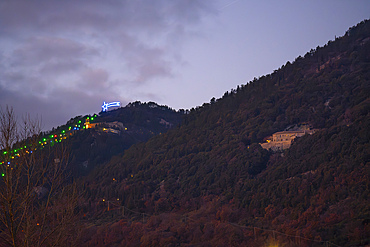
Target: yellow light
(103, 200)
(272, 243)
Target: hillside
(208, 182)
(94, 139)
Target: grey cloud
(54, 110)
(54, 68)
(95, 79)
(57, 53)
(95, 14)
(46, 49)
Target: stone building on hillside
(283, 139)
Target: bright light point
(2, 174)
(92, 118)
(79, 121)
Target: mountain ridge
(212, 166)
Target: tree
(38, 205)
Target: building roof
(289, 132)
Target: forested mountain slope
(95, 139)
(209, 182)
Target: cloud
(64, 56)
(48, 49)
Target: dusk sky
(60, 59)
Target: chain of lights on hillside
(48, 139)
(55, 138)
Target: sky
(61, 59)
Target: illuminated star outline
(105, 106)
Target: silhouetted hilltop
(94, 139)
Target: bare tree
(38, 205)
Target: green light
(92, 118)
(87, 118)
(44, 139)
(79, 121)
(51, 136)
(63, 131)
(25, 146)
(3, 174)
(5, 152)
(84, 127)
